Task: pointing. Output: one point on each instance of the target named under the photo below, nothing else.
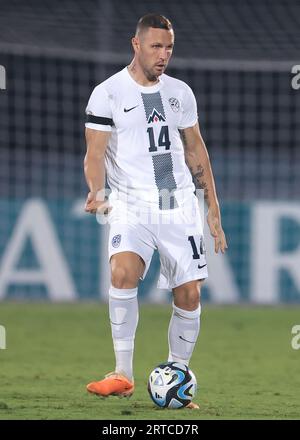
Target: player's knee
(122, 278)
(190, 302)
(188, 298)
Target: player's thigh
(182, 259)
(130, 249)
(182, 250)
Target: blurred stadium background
(236, 55)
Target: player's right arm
(98, 125)
(94, 170)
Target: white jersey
(145, 157)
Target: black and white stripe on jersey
(162, 162)
(99, 120)
(153, 106)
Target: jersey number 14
(163, 139)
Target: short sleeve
(189, 116)
(98, 111)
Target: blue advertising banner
(53, 250)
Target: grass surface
(243, 361)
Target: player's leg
(183, 267)
(130, 253)
(185, 322)
(126, 270)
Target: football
(172, 385)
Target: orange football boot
(114, 384)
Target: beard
(150, 75)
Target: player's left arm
(197, 159)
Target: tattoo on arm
(199, 179)
(198, 173)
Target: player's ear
(135, 43)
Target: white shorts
(177, 234)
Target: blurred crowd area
(236, 56)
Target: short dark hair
(155, 21)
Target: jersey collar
(149, 89)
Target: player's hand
(216, 230)
(94, 206)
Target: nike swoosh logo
(200, 267)
(129, 109)
(191, 342)
(118, 323)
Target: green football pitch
(244, 362)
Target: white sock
(124, 315)
(183, 333)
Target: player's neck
(136, 72)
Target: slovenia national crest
(116, 240)
(174, 103)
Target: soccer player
(142, 133)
